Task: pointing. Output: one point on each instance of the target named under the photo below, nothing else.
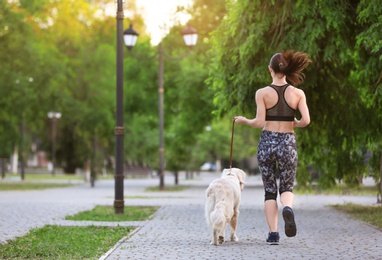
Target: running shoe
(273, 238)
(290, 225)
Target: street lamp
(190, 38)
(130, 37)
(54, 116)
(119, 130)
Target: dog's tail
(217, 217)
(209, 207)
(214, 215)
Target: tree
(254, 30)
(22, 86)
(369, 71)
(188, 98)
(52, 68)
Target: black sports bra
(281, 111)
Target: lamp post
(190, 38)
(54, 116)
(119, 130)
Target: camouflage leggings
(279, 149)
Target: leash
(230, 155)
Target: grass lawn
(58, 242)
(369, 214)
(44, 176)
(339, 189)
(25, 185)
(76, 242)
(106, 213)
(168, 188)
(37, 181)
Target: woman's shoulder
(265, 89)
(297, 91)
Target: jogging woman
(276, 108)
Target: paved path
(179, 231)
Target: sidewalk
(179, 230)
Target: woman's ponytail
(291, 64)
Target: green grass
(153, 197)
(167, 188)
(37, 176)
(106, 213)
(339, 189)
(76, 242)
(58, 242)
(23, 186)
(45, 176)
(368, 214)
(108, 176)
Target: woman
(276, 107)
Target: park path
(179, 231)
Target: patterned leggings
(276, 148)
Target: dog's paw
(221, 239)
(234, 238)
(213, 243)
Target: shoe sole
(290, 225)
(273, 243)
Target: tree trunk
(3, 162)
(380, 179)
(14, 160)
(93, 167)
(176, 177)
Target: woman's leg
(270, 198)
(267, 167)
(287, 199)
(271, 214)
(288, 215)
(287, 163)
(287, 159)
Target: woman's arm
(304, 110)
(259, 120)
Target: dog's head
(240, 174)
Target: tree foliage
(60, 56)
(339, 82)
(188, 100)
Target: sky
(158, 13)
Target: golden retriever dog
(222, 205)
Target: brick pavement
(179, 231)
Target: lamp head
(130, 37)
(190, 36)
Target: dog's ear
(241, 175)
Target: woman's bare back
(292, 98)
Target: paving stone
(179, 231)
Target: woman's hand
(296, 122)
(240, 120)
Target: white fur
(222, 205)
